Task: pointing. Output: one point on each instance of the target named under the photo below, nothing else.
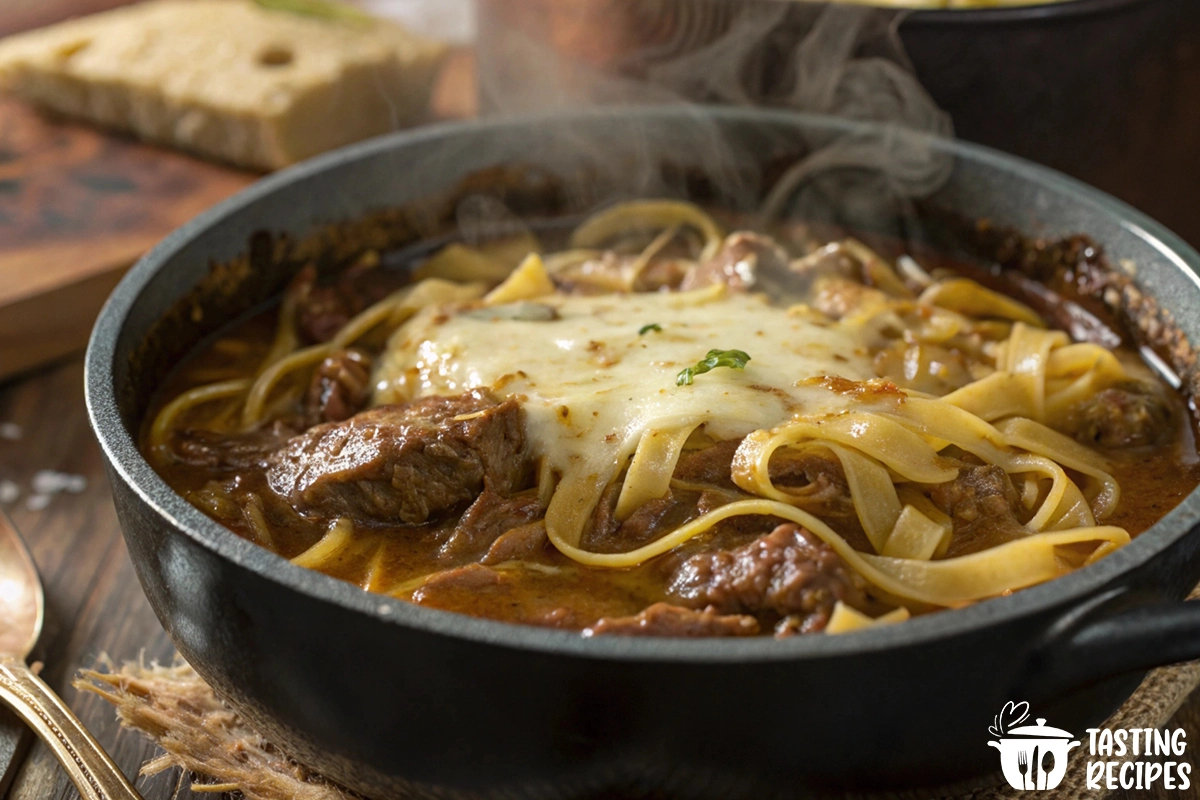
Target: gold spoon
(22, 606)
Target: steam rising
(840, 60)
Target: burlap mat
(178, 711)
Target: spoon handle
(90, 768)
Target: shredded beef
(650, 521)
(1132, 414)
(711, 466)
(1083, 324)
(614, 272)
(404, 462)
(982, 504)
(323, 309)
(664, 619)
(340, 388)
(816, 475)
(488, 518)
(223, 452)
(830, 261)
(712, 499)
(835, 298)
(740, 262)
(520, 542)
(660, 275)
(607, 272)
(324, 313)
(786, 572)
(441, 588)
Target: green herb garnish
(325, 9)
(734, 359)
(653, 326)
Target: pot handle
(1119, 632)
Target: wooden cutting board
(77, 208)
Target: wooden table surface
(94, 605)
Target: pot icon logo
(1032, 757)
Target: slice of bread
(226, 79)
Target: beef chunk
(488, 518)
(786, 572)
(340, 388)
(816, 475)
(1084, 324)
(664, 619)
(323, 309)
(982, 504)
(324, 313)
(712, 466)
(838, 298)
(661, 275)
(404, 463)
(653, 519)
(1132, 414)
(606, 273)
(611, 272)
(520, 542)
(223, 452)
(712, 499)
(450, 588)
(830, 261)
(739, 264)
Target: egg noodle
(596, 375)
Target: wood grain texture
(95, 605)
(77, 207)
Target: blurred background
(1107, 91)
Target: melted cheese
(591, 385)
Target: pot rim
(128, 465)
(1046, 11)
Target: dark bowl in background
(1107, 91)
(401, 701)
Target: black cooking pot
(1107, 91)
(395, 699)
